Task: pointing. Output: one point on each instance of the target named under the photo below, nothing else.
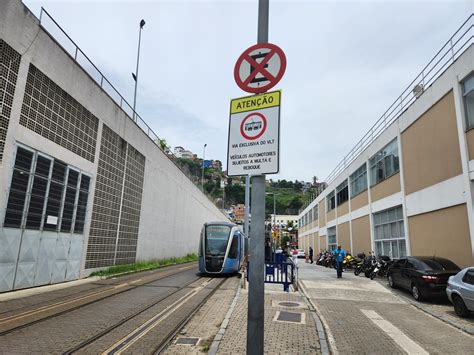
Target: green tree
(283, 241)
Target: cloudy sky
(347, 61)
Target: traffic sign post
(254, 135)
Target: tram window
(216, 239)
(234, 246)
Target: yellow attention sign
(255, 102)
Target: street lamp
(203, 158)
(135, 75)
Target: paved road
(364, 316)
(165, 300)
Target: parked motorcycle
(363, 265)
(321, 258)
(381, 267)
(349, 262)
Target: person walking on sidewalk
(311, 254)
(339, 255)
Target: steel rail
(129, 286)
(158, 349)
(109, 329)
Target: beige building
(281, 219)
(407, 187)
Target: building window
(389, 233)
(384, 164)
(342, 193)
(330, 201)
(18, 188)
(315, 213)
(358, 180)
(43, 194)
(332, 239)
(468, 93)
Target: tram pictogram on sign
(253, 126)
(260, 67)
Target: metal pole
(142, 23)
(203, 158)
(274, 210)
(247, 205)
(256, 295)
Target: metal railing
(449, 52)
(55, 31)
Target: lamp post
(135, 75)
(203, 158)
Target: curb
(327, 347)
(220, 334)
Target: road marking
(393, 332)
(127, 341)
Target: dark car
(424, 276)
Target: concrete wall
(172, 209)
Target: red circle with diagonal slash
(259, 68)
(242, 130)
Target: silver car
(460, 291)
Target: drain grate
(187, 341)
(288, 304)
(290, 317)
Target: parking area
(440, 308)
(355, 308)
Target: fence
(53, 29)
(446, 56)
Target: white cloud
(347, 62)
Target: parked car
(424, 276)
(301, 253)
(460, 291)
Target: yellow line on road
(59, 304)
(55, 305)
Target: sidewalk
(291, 327)
(220, 326)
(363, 316)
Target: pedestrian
(311, 254)
(339, 255)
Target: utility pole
(256, 295)
(135, 75)
(202, 170)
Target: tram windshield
(216, 239)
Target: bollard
(296, 279)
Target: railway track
(181, 308)
(22, 319)
(139, 314)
